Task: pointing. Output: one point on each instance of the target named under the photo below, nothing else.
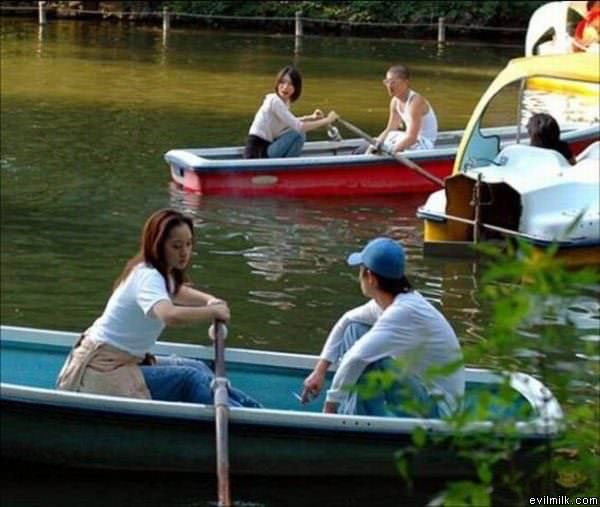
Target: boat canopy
(577, 67)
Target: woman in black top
(544, 132)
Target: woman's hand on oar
(317, 114)
(403, 160)
(374, 148)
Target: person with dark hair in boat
(397, 323)
(113, 356)
(275, 131)
(544, 132)
(409, 110)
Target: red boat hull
(324, 171)
(382, 177)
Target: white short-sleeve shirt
(127, 322)
(273, 118)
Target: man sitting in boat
(275, 131)
(397, 323)
(409, 108)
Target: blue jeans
(179, 379)
(288, 144)
(406, 397)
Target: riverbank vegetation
(489, 19)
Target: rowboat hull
(342, 179)
(79, 438)
(42, 425)
(325, 168)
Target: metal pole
(477, 203)
(441, 30)
(42, 13)
(221, 415)
(520, 108)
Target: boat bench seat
(523, 156)
(484, 404)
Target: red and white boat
(328, 168)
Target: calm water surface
(89, 109)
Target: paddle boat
(285, 438)
(519, 190)
(326, 168)
(558, 28)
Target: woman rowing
(113, 356)
(275, 131)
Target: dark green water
(87, 112)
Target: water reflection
(567, 109)
(584, 314)
(295, 251)
(89, 109)
(25, 485)
(40, 39)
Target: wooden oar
(221, 402)
(403, 160)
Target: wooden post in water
(441, 30)
(166, 21)
(298, 30)
(298, 34)
(42, 13)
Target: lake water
(87, 112)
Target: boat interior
(447, 142)
(351, 151)
(264, 376)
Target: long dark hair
(543, 131)
(152, 246)
(295, 78)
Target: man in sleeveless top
(409, 110)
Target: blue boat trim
(57, 428)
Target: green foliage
(529, 291)
(487, 13)
(461, 17)
(464, 493)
